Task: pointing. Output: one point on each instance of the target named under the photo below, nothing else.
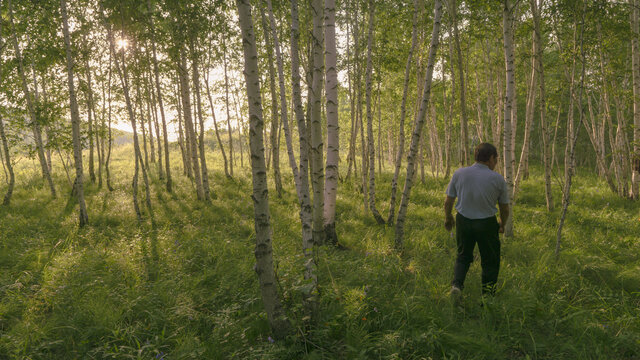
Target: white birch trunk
(370, 141)
(75, 119)
(418, 125)
(317, 166)
(333, 129)
(403, 114)
(507, 27)
(263, 252)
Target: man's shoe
(456, 295)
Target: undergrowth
(186, 288)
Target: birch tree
(309, 292)
(333, 129)
(156, 74)
(35, 125)
(264, 258)
(403, 114)
(507, 31)
(369, 105)
(572, 129)
(317, 168)
(418, 125)
(635, 57)
(75, 118)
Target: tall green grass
(186, 289)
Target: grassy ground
(187, 289)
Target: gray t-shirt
(477, 188)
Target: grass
(187, 289)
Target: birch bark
(263, 252)
(418, 125)
(75, 118)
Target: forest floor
(187, 289)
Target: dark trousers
(485, 233)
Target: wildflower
(160, 355)
(451, 234)
(271, 339)
(375, 309)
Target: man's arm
(449, 222)
(504, 216)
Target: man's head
(487, 154)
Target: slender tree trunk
(310, 292)
(90, 116)
(188, 124)
(37, 133)
(352, 111)
(284, 121)
(536, 6)
(403, 113)
(370, 140)
(75, 118)
(464, 132)
(507, 28)
(139, 100)
(572, 131)
(531, 99)
(110, 139)
(418, 125)
(264, 258)
(333, 128)
(275, 150)
(156, 73)
(226, 99)
(317, 168)
(239, 117)
(201, 148)
(186, 167)
(215, 126)
(360, 123)
(7, 160)
(635, 57)
(152, 147)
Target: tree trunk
(75, 118)
(275, 150)
(333, 128)
(90, 116)
(317, 166)
(464, 132)
(572, 131)
(156, 73)
(531, 100)
(215, 126)
(635, 57)
(37, 133)
(110, 139)
(201, 148)
(264, 258)
(539, 67)
(182, 141)
(418, 125)
(188, 124)
(226, 99)
(507, 28)
(370, 140)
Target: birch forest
(265, 179)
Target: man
(477, 188)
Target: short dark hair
(485, 151)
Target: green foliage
(187, 288)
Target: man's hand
(501, 228)
(449, 222)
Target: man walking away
(478, 189)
